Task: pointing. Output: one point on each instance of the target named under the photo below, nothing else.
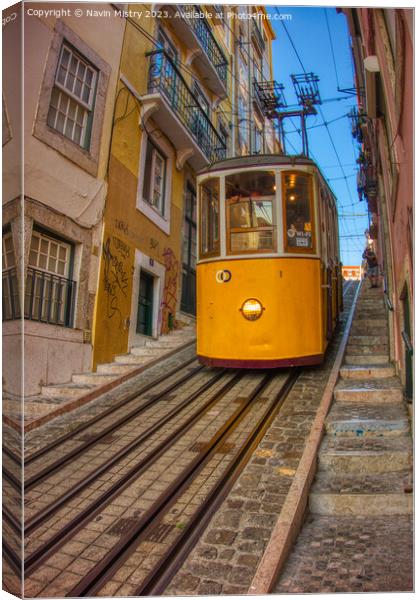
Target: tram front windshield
(249, 205)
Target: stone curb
(291, 516)
(82, 400)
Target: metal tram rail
(106, 567)
(112, 409)
(134, 472)
(31, 481)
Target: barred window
(49, 291)
(72, 98)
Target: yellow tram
(269, 288)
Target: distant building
(382, 41)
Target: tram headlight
(252, 309)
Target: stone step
(372, 495)
(357, 349)
(363, 319)
(91, 378)
(169, 344)
(378, 391)
(114, 368)
(370, 455)
(362, 359)
(367, 340)
(64, 390)
(132, 359)
(145, 351)
(378, 371)
(364, 329)
(367, 420)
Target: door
(189, 252)
(145, 306)
(406, 334)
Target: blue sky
(309, 33)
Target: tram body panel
(290, 327)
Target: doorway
(145, 305)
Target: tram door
(145, 306)
(189, 253)
(330, 326)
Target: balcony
(49, 298)
(204, 51)
(176, 110)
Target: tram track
(116, 557)
(109, 430)
(80, 448)
(128, 398)
(67, 533)
(118, 486)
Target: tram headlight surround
(252, 309)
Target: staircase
(123, 364)
(365, 459)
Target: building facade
(185, 99)
(382, 41)
(53, 202)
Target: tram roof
(264, 160)
(258, 160)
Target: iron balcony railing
(10, 295)
(49, 298)
(207, 40)
(165, 78)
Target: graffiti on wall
(168, 306)
(115, 254)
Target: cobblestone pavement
(350, 554)
(225, 559)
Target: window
(257, 138)
(250, 217)
(49, 291)
(154, 178)
(72, 97)
(224, 136)
(210, 210)
(298, 213)
(11, 308)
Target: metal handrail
(388, 303)
(407, 342)
(165, 78)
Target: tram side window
(210, 211)
(299, 221)
(250, 219)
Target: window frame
(155, 151)
(297, 249)
(217, 250)
(86, 158)
(273, 227)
